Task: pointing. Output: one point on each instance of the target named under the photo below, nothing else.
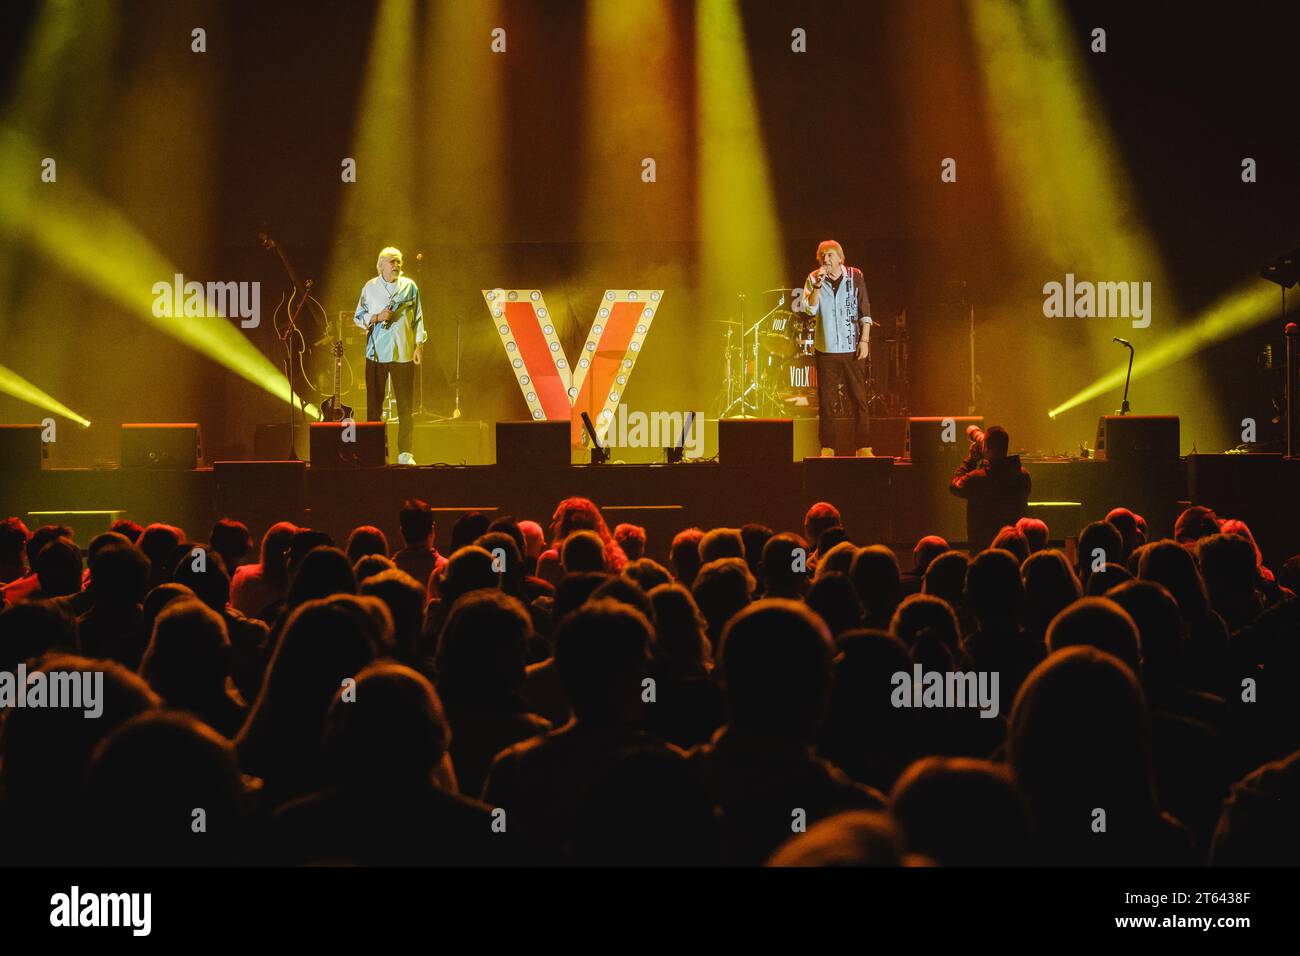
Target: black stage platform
(882, 499)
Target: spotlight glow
(736, 200)
(11, 383)
(99, 247)
(1252, 304)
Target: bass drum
(805, 335)
(799, 386)
(780, 337)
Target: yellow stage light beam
(1251, 304)
(1071, 202)
(378, 209)
(461, 169)
(461, 173)
(67, 54)
(64, 69)
(628, 120)
(94, 243)
(11, 383)
(635, 186)
(738, 223)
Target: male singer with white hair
(391, 314)
(836, 295)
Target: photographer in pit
(994, 485)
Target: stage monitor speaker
(1137, 437)
(348, 445)
(940, 438)
(755, 441)
(171, 446)
(21, 448)
(530, 445)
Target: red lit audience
(747, 701)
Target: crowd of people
(555, 696)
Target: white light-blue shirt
(839, 311)
(396, 339)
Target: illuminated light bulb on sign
(541, 357)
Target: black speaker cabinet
(529, 445)
(755, 441)
(21, 448)
(1134, 437)
(172, 446)
(940, 438)
(349, 445)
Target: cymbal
(723, 321)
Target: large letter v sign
(554, 389)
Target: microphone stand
(288, 365)
(1124, 407)
(455, 384)
(419, 411)
(456, 411)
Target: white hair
(388, 252)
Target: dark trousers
(833, 368)
(403, 374)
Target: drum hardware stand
(1285, 271)
(743, 399)
(902, 361)
(753, 408)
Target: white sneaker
(828, 452)
(406, 458)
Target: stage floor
(893, 501)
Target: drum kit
(770, 367)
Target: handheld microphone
(974, 433)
